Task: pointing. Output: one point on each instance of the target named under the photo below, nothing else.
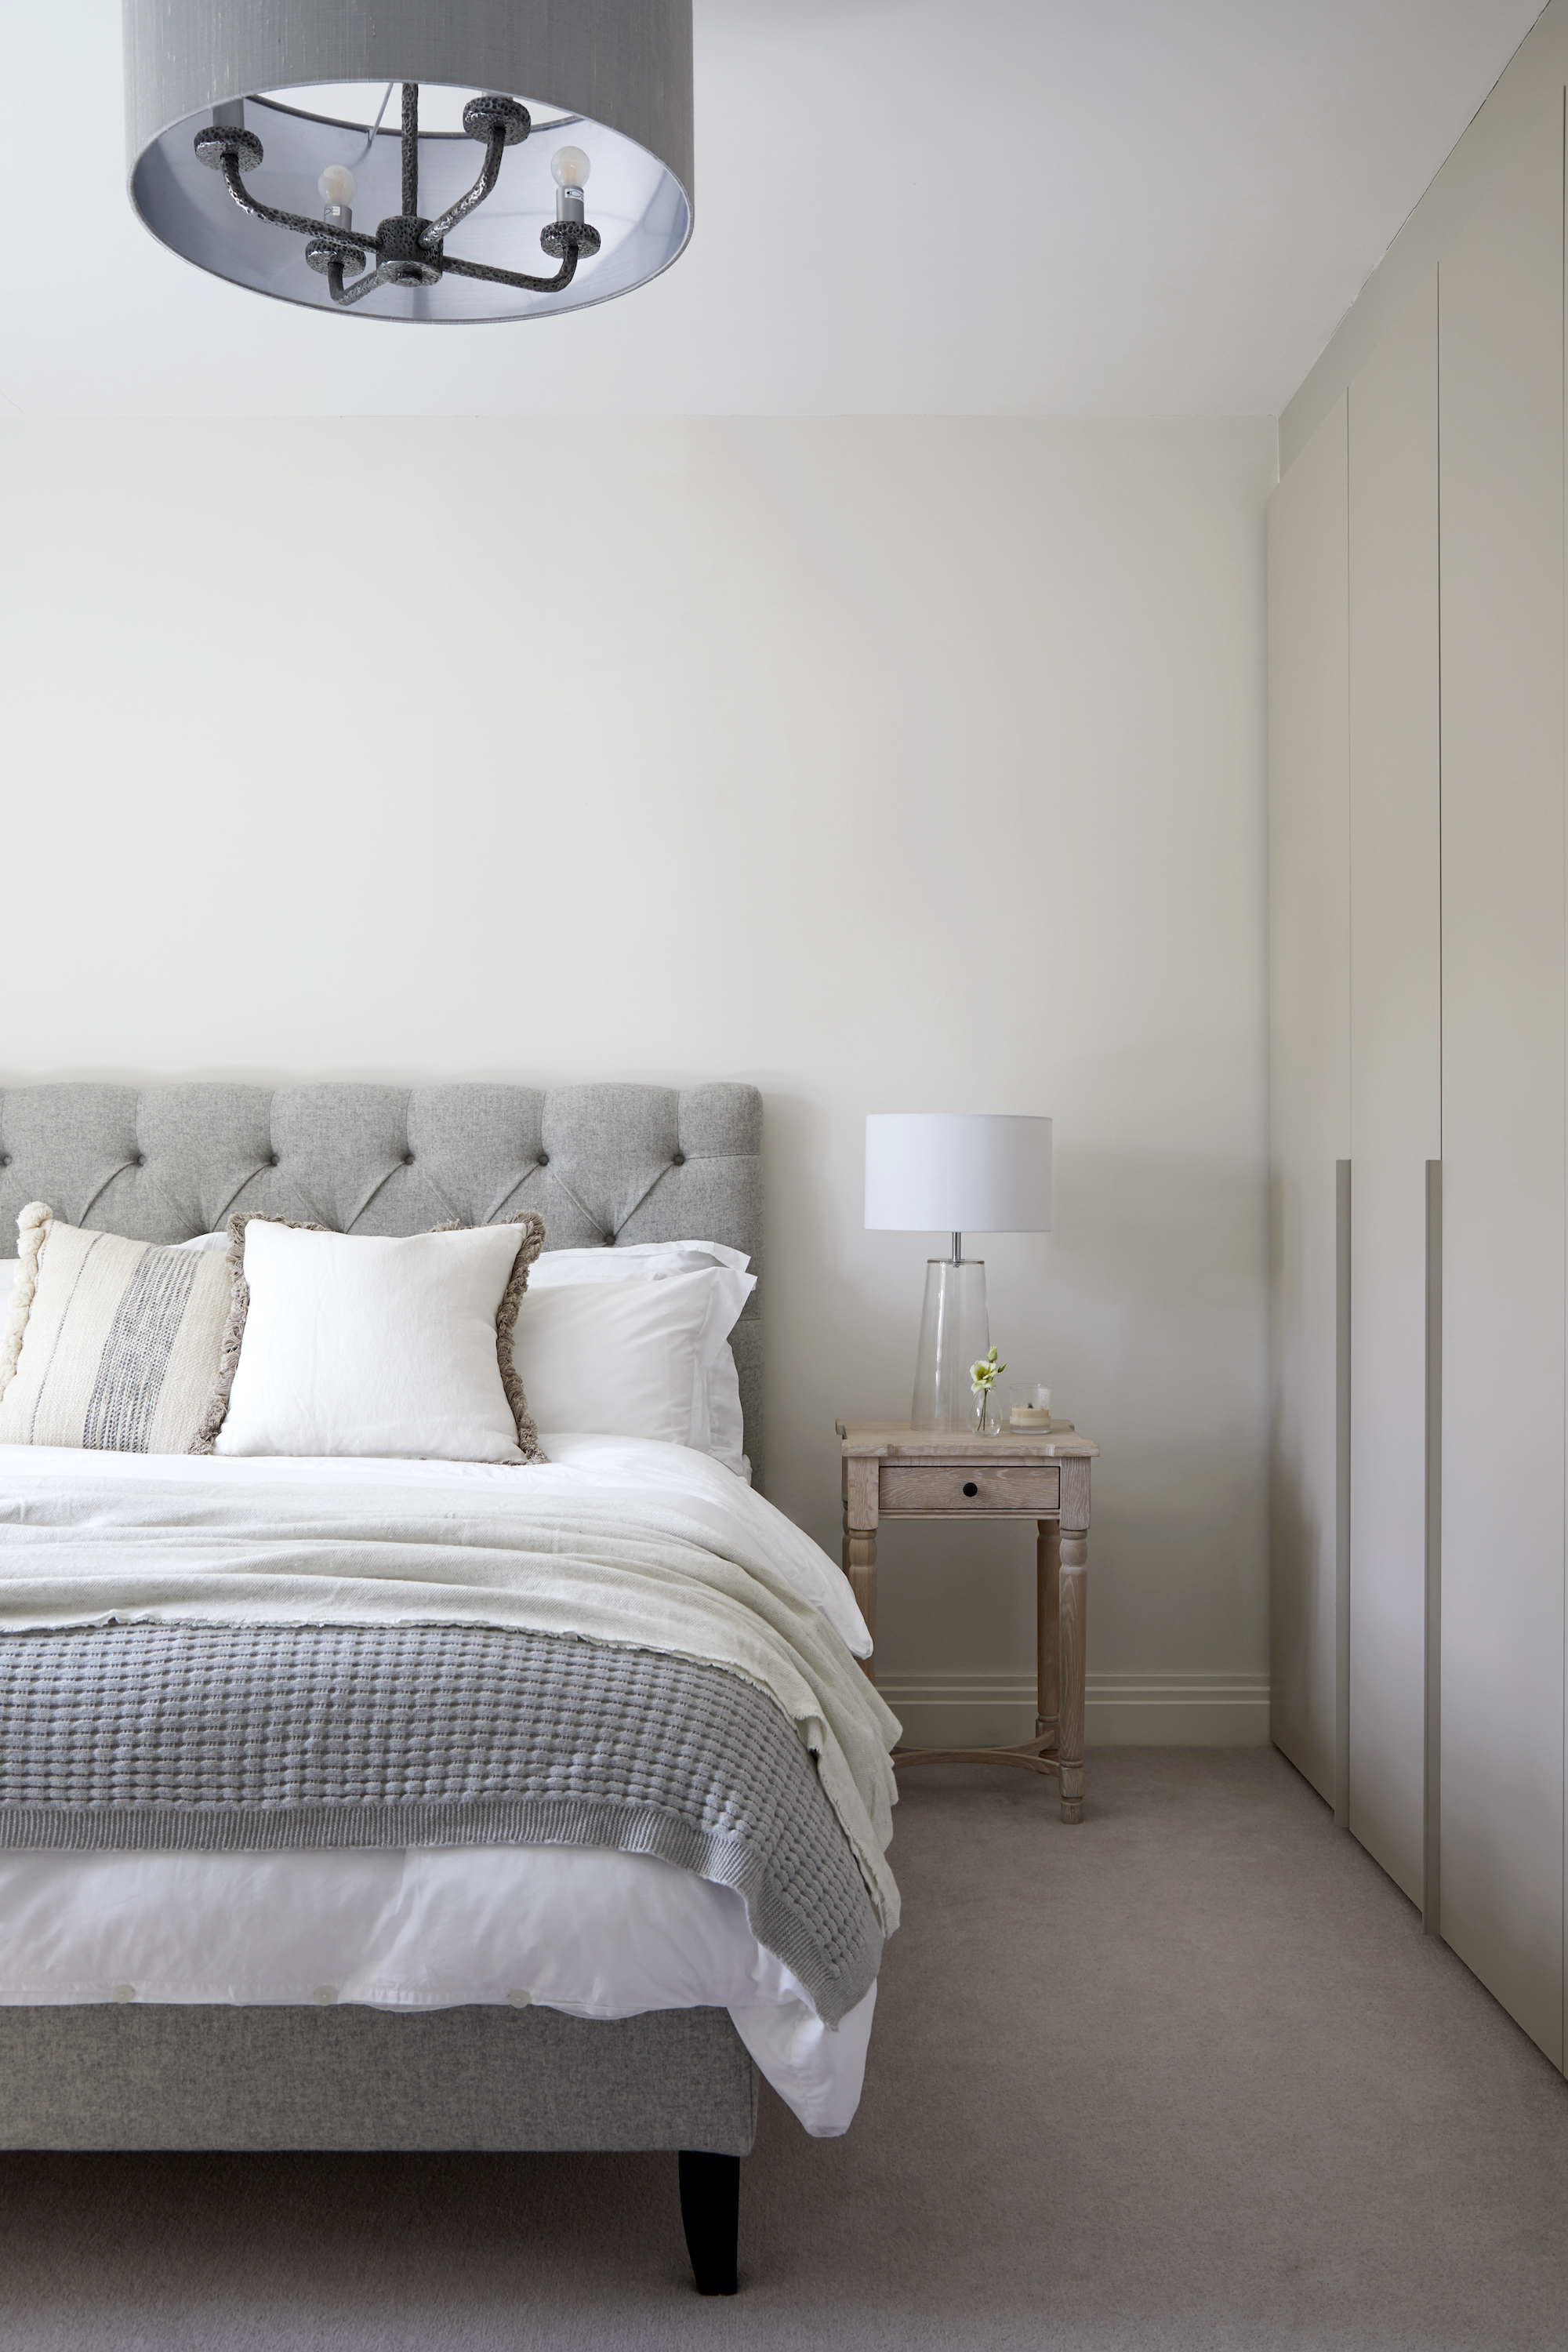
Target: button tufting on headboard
(601, 1164)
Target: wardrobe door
(1309, 954)
(1396, 1062)
(1501, 395)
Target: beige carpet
(1187, 2076)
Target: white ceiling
(914, 206)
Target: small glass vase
(987, 1419)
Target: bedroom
(882, 658)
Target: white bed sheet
(595, 1935)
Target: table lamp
(953, 1172)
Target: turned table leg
(1047, 1605)
(1073, 1622)
(861, 1487)
(860, 1568)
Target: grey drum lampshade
(612, 77)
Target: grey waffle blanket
(229, 1737)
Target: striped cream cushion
(110, 1344)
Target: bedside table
(893, 1471)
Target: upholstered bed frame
(602, 1164)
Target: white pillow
(618, 1358)
(717, 1424)
(362, 1345)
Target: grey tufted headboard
(600, 1163)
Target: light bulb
(571, 167)
(337, 184)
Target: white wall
(888, 763)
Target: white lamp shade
(957, 1173)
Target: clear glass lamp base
(954, 1333)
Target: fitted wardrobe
(1419, 1033)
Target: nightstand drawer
(989, 1487)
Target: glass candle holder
(1028, 1407)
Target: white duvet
(596, 1935)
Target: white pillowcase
(618, 1358)
(717, 1426)
(361, 1345)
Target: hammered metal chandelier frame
(409, 249)
(253, 127)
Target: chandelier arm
(563, 276)
(345, 296)
(495, 147)
(258, 211)
(410, 149)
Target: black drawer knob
(969, 1487)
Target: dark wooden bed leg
(710, 2213)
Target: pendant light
(419, 160)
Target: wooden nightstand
(892, 1472)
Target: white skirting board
(1214, 1710)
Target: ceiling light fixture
(254, 134)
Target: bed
(447, 2014)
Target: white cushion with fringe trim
(360, 1344)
